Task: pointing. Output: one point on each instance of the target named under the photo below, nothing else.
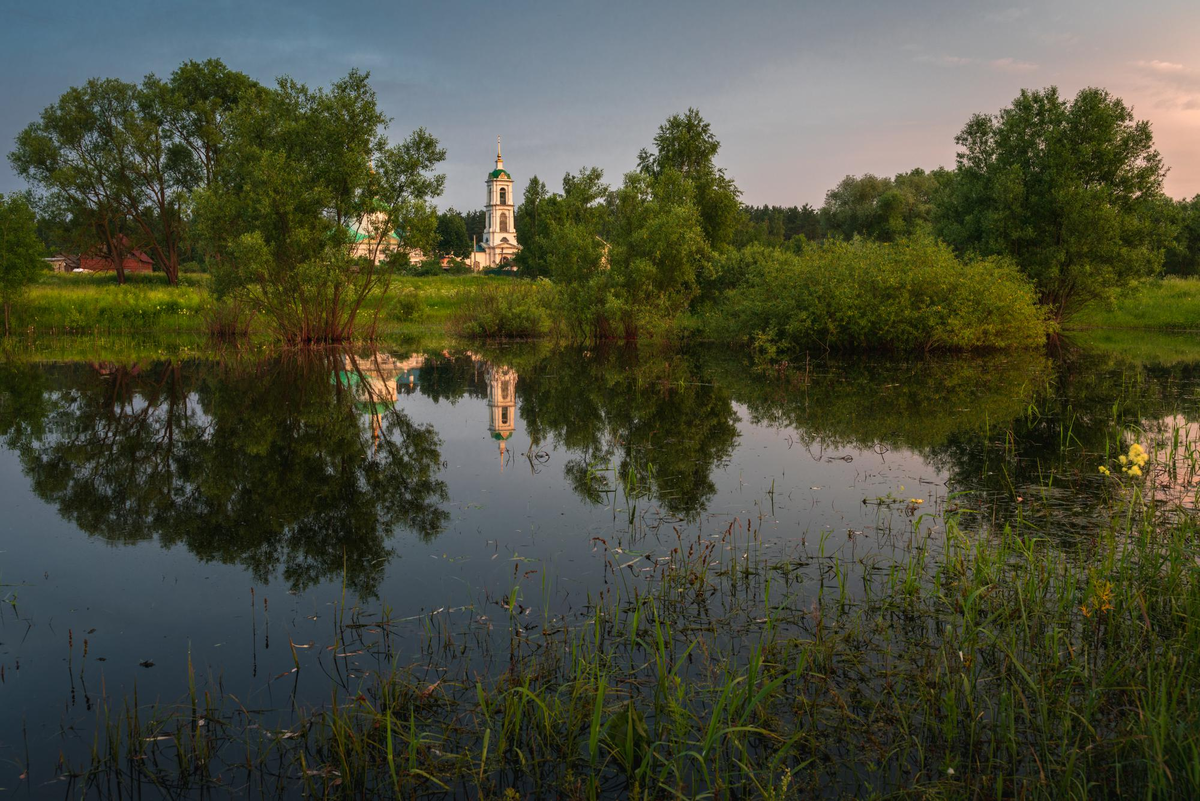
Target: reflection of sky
(147, 603)
(799, 93)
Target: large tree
(1183, 256)
(1069, 189)
(308, 195)
(452, 234)
(562, 234)
(686, 143)
(117, 161)
(20, 251)
(68, 155)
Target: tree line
(1070, 190)
(292, 196)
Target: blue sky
(799, 93)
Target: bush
(911, 295)
(519, 310)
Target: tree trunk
(6, 306)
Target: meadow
(1166, 304)
(147, 304)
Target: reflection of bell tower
(502, 405)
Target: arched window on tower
(503, 221)
(503, 196)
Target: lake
(232, 517)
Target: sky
(799, 93)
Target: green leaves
(1070, 190)
(912, 295)
(20, 251)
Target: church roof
(496, 173)
(359, 235)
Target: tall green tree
(686, 143)
(196, 104)
(119, 159)
(308, 194)
(20, 251)
(1183, 255)
(1069, 189)
(452, 234)
(561, 234)
(68, 155)
(657, 246)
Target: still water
(215, 512)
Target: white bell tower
(500, 231)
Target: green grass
(62, 304)
(1167, 303)
(96, 305)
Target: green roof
(501, 435)
(498, 173)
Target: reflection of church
(378, 381)
(502, 405)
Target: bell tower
(500, 231)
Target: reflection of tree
(270, 465)
(647, 416)
(1056, 443)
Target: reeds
(981, 662)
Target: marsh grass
(952, 658)
(95, 305)
(1160, 303)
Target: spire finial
(497, 147)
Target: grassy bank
(1167, 303)
(96, 305)
(954, 657)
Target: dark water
(216, 511)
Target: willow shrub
(911, 295)
(515, 309)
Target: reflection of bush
(266, 465)
(900, 404)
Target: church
(499, 243)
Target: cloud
(1159, 66)
(1006, 14)
(1173, 86)
(945, 61)
(1012, 65)
(1064, 39)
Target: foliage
(308, 198)
(1070, 190)
(1183, 255)
(913, 295)
(686, 144)
(118, 160)
(518, 310)
(559, 233)
(886, 209)
(774, 225)
(657, 246)
(452, 239)
(20, 252)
